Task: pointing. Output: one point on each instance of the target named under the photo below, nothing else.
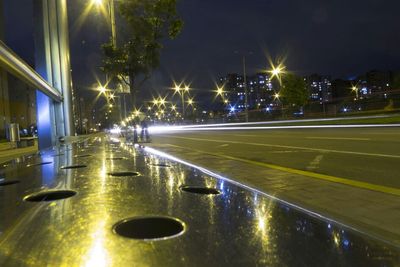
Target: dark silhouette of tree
(294, 92)
(147, 24)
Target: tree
(294, 91)
(148, 23)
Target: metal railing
(12, 63)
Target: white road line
(289, 147)
(339, 138)
(314, 164)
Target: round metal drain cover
(50, 195)
(39, 164)
(200, 190)
(160, 165)
(124, 173)
(83, 156)
(149, 228)
(73, 167)
(9, 182)
(58, 155)
(116, 158)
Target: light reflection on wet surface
(237, 227)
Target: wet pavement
(100, 202)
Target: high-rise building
(320, 88)
(259, 90)
(379, 82)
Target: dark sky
(342, 38)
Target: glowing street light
(355, 89)
(162, 101)
(182, 92)
(276, 96)
(155, 102)
(220, 91)
(97, 2)
(101, 89)
(190, 101)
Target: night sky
(339, 38)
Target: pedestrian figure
(145, 132)
(135, 135)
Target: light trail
(164, 129)
(283, 121)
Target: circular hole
(9, 182)
(125, 173)
(115, 158)
(200, 190)
(161, 165)
(50, 195)
(39, 164)
(149, 228)
(73, 167)
(83, 156)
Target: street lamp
(101, 89)
(182, 91)
(277, 71)
(355, 89)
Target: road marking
(330, 178)
(245, 135)
(224, 145)
(314, 164)
(339, 138)
(289, 147)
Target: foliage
(148, 23)
(294, 91)
(396, 80)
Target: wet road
(106, 183)
(368, 155)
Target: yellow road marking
(339, 138)
(330, 178)
(288, 147)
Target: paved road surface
(348, 174)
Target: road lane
(374, 161)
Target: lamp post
(245, 90)
(182, 91)
(111, 13)
(276, 71)
(355, 89)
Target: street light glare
(97, 2)
(220, 90)
(101, 89)
(187, 88)
(276, 71)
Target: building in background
(259, 90)
(320, 88)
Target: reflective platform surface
(100, 202)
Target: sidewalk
(113, 204)
(374, 213)
(8, 153)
